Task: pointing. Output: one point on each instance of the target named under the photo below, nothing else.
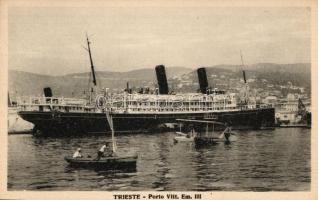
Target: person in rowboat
(78, 153)
(227, 131)
(104, 151)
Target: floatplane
(113, 161)
(208, 136)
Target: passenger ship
(136, 112)
(140, 112)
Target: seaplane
(204, 137)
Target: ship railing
(177, 97)
(163, 104)
(266, 106)
(158, 99)
(179, 106)
(192, 108)
(47, 101)
(254, 106)
(171, 108)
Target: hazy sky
(50, 40)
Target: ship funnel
(128, 90)
(203, 81)
(47, 92)
(162, 79)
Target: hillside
(221, 76)
(298, 74)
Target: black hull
(113, 163)
(67, 123)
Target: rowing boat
(115, 162)
(106, 162)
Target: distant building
(250, 80)
(289, 83)
(302, 90)
(264, 80)
(276, 92)
(270, 100)
(291, 97)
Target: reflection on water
(268, 160)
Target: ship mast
(91, 61)
(92, 70)
(244, 77)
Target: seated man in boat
(78, 153)
(227, 133)
(105, 151)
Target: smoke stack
(203, 81)
(47, 92)
(162, 79)
(128, 90)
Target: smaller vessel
(16, 125)
(115, 162)
(293, 113)
(206, 137)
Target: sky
(48, 40)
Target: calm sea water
(267, 160)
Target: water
(268, 160)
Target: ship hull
(68, 123)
